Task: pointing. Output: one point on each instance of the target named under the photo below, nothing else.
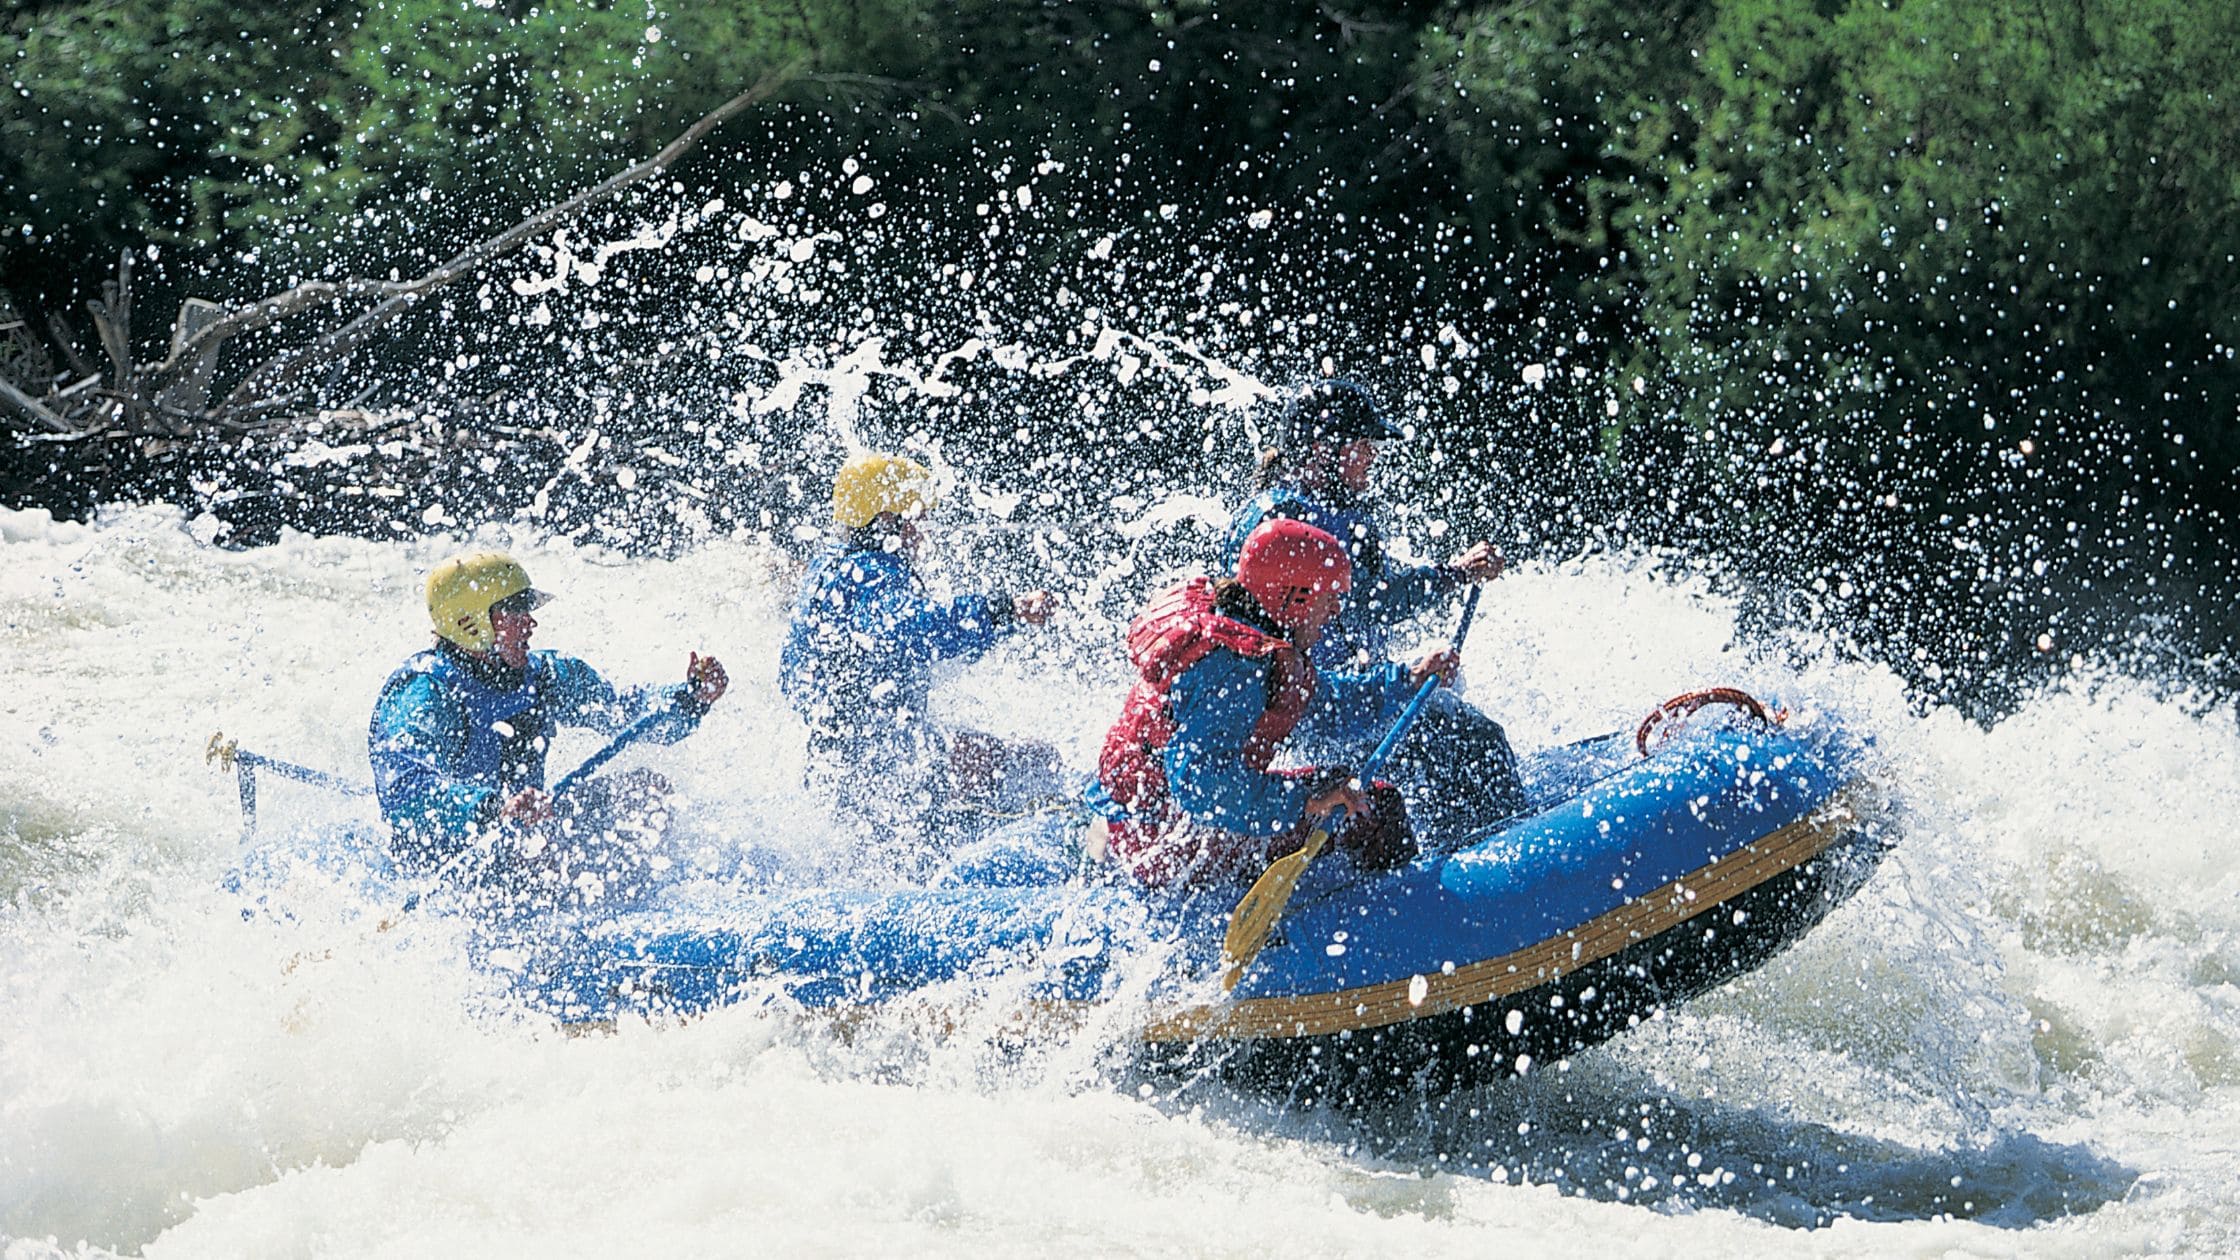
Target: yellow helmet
(462, 589)
(868, 485)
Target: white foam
(2035, 996)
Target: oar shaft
(247, 765)
(1469, 611)
(1264, 902)
(301, 774)
(627, 736)
(1399, 731)
(1391, 742)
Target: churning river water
(2022, 1038)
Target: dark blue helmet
(1333, 411)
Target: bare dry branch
(281, 369)
(34, 410)
(920, 93)
(267, 311)
(59, 333)
(112, 320)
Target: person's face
(1306, 631)
(510, 629)
(1355, 459)
(907, 537)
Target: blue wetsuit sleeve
(818, 621)
(1406, 590)
(415, 743)
(1359, 708)
(1216, 704)
(580, 697)
(1247, 519)
(963, 628)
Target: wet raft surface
(1642, 886)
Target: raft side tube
(840, 947)
(1645, 826)
(1653, 824)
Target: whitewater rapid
(2023, 1038)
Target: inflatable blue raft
(1641, 880)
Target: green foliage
(309, 131)
(1875, 264)
(1831, 221)
(472, 106)
(1544, 107)
(113, 109)
(1861, 217)
(1186, 84)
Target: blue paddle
(1264, 902)
(623, 738)
(246, 764)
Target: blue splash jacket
(452, 736)
(858, 660)
(1215, 705)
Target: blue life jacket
(858, 660)
(448, 740)
(1384, 593)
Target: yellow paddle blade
(1260, 907)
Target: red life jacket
(1173, 633)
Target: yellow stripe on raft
(1397, 1001)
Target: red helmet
(1285, 563)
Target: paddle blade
(1260, 907)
